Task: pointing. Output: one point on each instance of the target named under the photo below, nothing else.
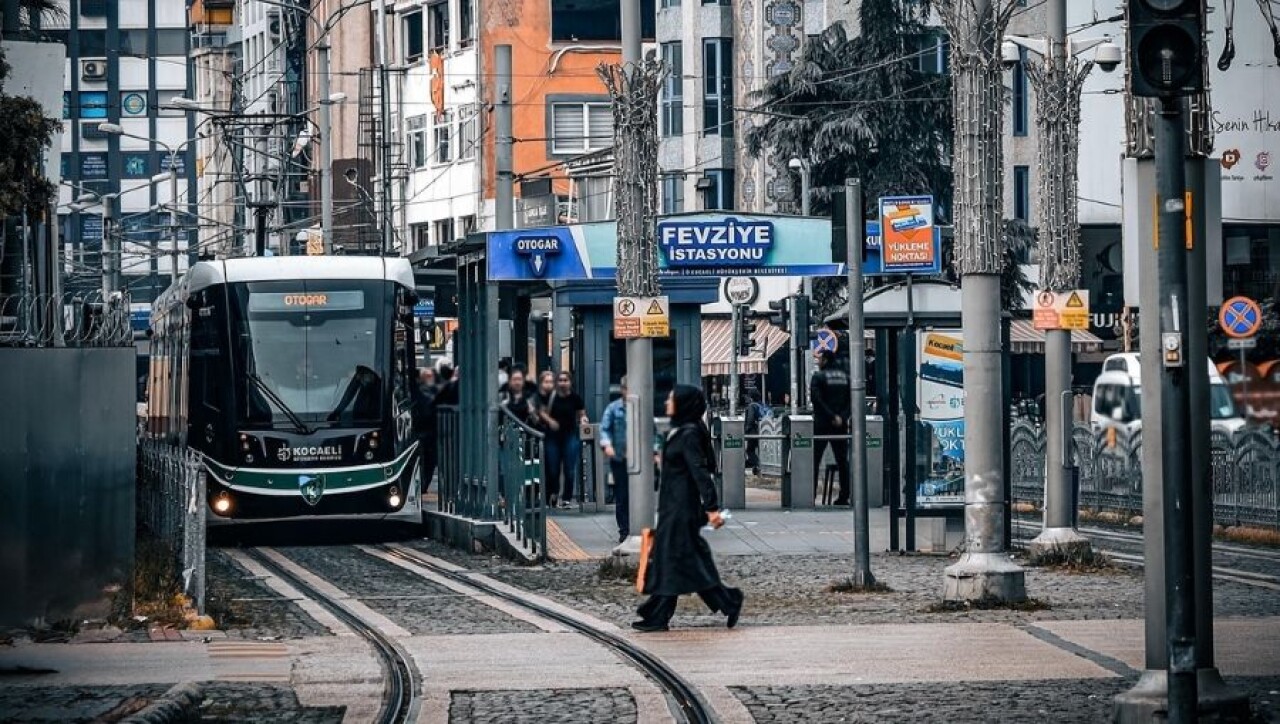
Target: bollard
(797, 479)
(875, 461)
(732, 449)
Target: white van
(1117, 397)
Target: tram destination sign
(699, 245)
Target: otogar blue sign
(719, 243)
(537, 249)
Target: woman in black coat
(680, 561)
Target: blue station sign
(699, 245)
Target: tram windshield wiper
(274, 398)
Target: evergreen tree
(25, 135)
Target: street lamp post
(117, 130)
(1058, 79)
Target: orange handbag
(646, 549)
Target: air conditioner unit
(95, 69)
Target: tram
(292, 378)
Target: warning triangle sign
(1074, 300)
(654, 308)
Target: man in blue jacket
(613, 440)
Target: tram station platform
(763, 528)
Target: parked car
(1117, 398)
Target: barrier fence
(171, 494)
(1245, 469)
(521, 504)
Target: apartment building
(127, 60)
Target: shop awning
(1026, 339)
(717, 347)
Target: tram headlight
(222, 504)
(393, 497)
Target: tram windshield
(310, 352)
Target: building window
(438, 26)
(421, 235)
(717, 189)
(1020, 100)
(580, 127)
(442, 230)
(411, 26)
(165, 106)
(670, 3)
(468, 224)
(468, 124)
(416, 127)
(932, 53)
(717, 100)
(574, 20)
(93, 104)
(441, 142)
(171, 41)
(466, 19)
(672, 193)
(1022, 193)
(673, 90)
(716, 2)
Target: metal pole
(985, 570)
(1056, 84)
(733, 360)
(806, 284)
(504, 209)
(110, 251)
(1175, 406)
(173, 211)
(854, 234)
(639, 351)
(384, 124)
(326, 147)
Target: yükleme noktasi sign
(703, 245)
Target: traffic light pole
(733, 360)
(1175, 400)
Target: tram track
(687, 703)
(400, 681)
(1134, 542)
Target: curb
(178, 704)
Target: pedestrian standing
(516, 398)
(425, 424)
(613, 440)
(829, 392)
(756, 411)
(680, 560)
(564, 414)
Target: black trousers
(621, 496)
(427, 454)
(839, 450)
(658, 610)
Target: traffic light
(746, 334)
(1166, 42)
(802, 316)
(781, 314)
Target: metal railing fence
(1245, 469)
(171, 504)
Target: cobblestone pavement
(31, 704)
(245, 607)
(540, 706)
(227, 703)
(419, 606)
(224, 702)
(1066, 701)
(795, 590)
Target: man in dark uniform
(829, 393)
(424, 419)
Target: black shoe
(622, 537)
(646, 627)
(841, 501)
(736, 611)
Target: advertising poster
(906, 233)
(940, 390)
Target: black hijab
(690, 406)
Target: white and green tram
(293, 378)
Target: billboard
(940, 398)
